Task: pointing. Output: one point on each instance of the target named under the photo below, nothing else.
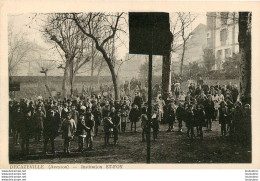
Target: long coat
(223, 112)
(209, 109)
(51, 125)
(189, 118)
(90, 123)
(26, 128)
(134, 115)
(68, 128)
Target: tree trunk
(72, 77)
(114, 79)
(64, 82)
(92, 59)
(182, 58)
(244, 39)
(166, 76)
(47, 84)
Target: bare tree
(186, 20)
(102, 28)
(18, 49)
(180, 24)
(72, 45)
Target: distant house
(222, 36)
(194, 48)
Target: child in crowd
(90, 132)
(134, 116)
(116, 123)
(124, 117)
(200, 120)
(68, 128)
(155, 122)
(108, 124)
(97, 118)
(189, 121)
(81, 131)
(180, 113)
(144, 123)
(223, 112)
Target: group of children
(80, 119)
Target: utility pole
(149, 111)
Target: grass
(171, 147)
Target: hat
(83, 107)
(223, 102)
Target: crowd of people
(80, 118)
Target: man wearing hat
(26, 131)
(50, 128)
(134, 116)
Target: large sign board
(149, 33)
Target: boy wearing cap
(180, 113)
(144, 123)
(124, 117)
(223, 112)
(97, 118)
(134, 116)
(68, 128)
(108, 124)
(189, 120)
(90, 133)
(81, 131)
(116, 122)
(155, 121)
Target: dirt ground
(171, 147)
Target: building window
(219, 54)
(227, 53)
(223, 36)
(223, 18)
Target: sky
(31, 26)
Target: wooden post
(149, 113)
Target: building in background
(222, 36)
(194, 49)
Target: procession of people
(82, 118)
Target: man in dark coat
(134, 116)
(50, 128)
(138, 100)
(209, 112)
(97, 118)
(170, 115)
(26, 131)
